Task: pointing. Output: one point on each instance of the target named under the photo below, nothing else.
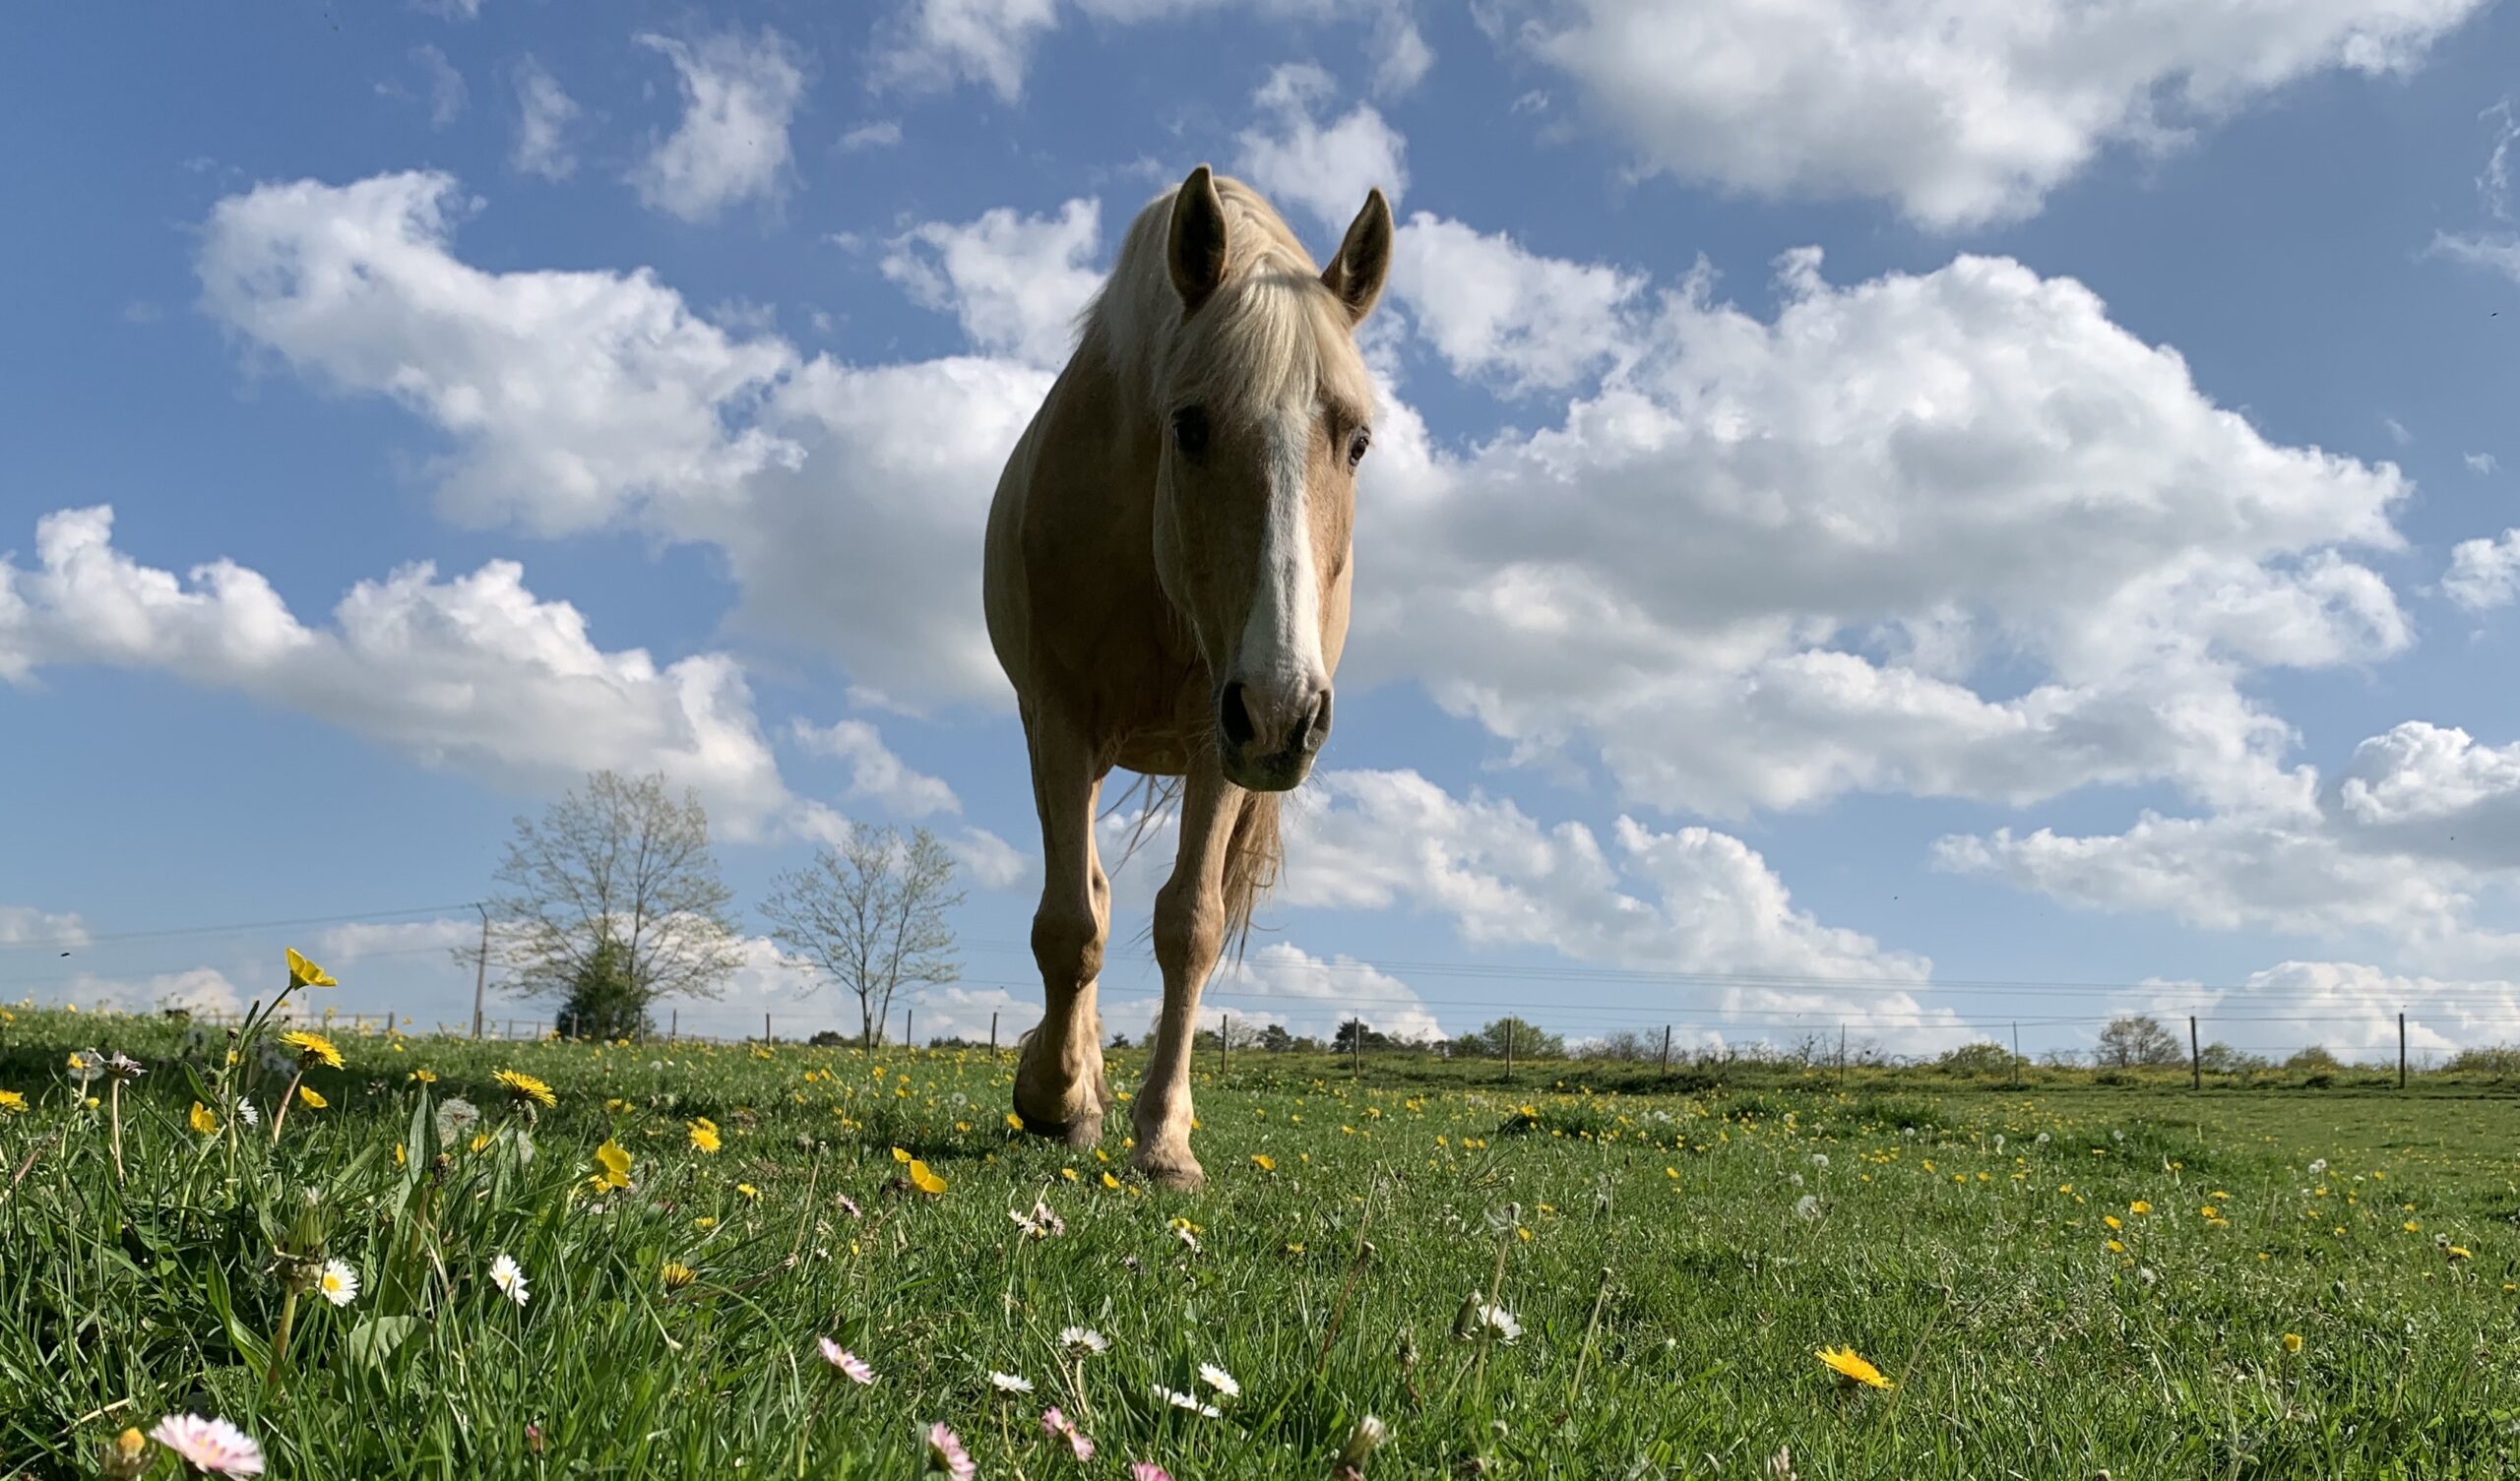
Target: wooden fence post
(1666, 1049)
(2195, 1058)
(2401, 1051)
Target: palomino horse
(1166, 582)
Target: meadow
(1460, 1276)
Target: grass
(1674, 1262)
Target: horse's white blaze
(1281, 654)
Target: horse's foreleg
(1189, 932)
(1058, 1074)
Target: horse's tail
(1252, 859)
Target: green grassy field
(2057, 1280)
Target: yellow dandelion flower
(747, 1190)
(704, 1224)
(307, 1097)
(1848, 1364)
(902, 1156)
(2458, 1252)
(2111, 1220)
(2139, 1206)
(677, 1274)
(2292, 1341)
(12, 1103)
(704, 1135)
(524, 1087)
(2210, 1212)
(1264, 1162)
(1109, 1181)
(613, 1165)
(1068, 1173)
(304, 973)
(2117, 1248)
(312, 1048)
(2412, 1227)
(202, 1119)
(1014, 1123)
(923, 1180)
(424, 1077)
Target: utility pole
(992, 1038)
(2401, 1050)
(765, 1029)
(481, 967)
(2195, 1058)
(673, 1030)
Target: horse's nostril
(1234, 717)
(1316, 723)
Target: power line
(84, 938)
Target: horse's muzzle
(1268, 736)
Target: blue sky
(1994, 512)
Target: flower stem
(280, 1340)
(113, 1102)
(280, 1113)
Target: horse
(1166, 582)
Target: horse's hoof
(1172, 1169)
(1079, 1127)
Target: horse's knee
(1189, 929)
(1068, 946)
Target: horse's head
(1267, 410)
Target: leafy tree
(1529, 1041)
(614, 886)
(603, 1003)
(870, 915)
(1276, 1040)
(2138, 1041)
(1983, 1060)
(2316, 1059)
(2223, 1059)
(1351, 1031)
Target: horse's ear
(1355, 274)
(1196, 251)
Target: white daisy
(1499, 1321)
(1084, 1339)
(846, 1361)
(1220, 1381)
(1010, 1383)
(508, 1277)
(246, 1113)
(338, 1282)
(1190, 1402)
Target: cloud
(882, 134)
(447, 92)
(1016, 282)
(2413, 846)
(849, 502)
(738, 93)
(2484, 573)
(475, 673)
(362, 941)
(1505, 316)
(1280, 983)
(544, 114)
(927, 45)
(875, 773)
(2351, 1009)
(1959, 113)
(1764, 563)
(2480, 462)
(25, 925)
(1324, 167)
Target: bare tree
(615, 880)
(870, 914)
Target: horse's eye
(1190, 431)
(1357, 446)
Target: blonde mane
(1273, 335)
